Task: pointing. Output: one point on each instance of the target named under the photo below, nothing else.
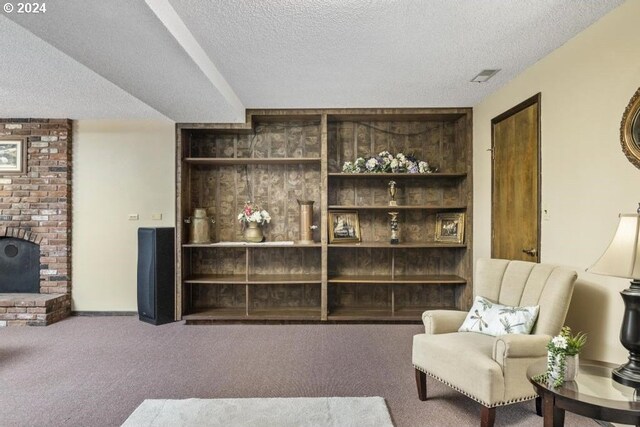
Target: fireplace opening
(19, 266)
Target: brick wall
(38, 203)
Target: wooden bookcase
(279, 156)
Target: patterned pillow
(494, 319)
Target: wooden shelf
(396, 208)
(216, 314)
(408, 245)
(426, 279)
(255, 279)
(218, 279)
(374, 314)
(249, 245)
(284, 279)
(382, 315)
(398, 175)
(395, 115)
(226, 161)
(284, 313)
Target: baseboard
(104, 313)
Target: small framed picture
(13, 156)
(344, 227)
(450, 227)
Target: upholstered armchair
(492, 369)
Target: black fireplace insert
(19, 266)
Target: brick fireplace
(36, 207)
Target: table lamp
(622, 259)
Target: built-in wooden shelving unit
(279, 156)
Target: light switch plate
(133, 217)
(156, 216)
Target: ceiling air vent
(484, 75)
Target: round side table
(593, 394)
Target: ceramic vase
(253, 233)
(571, 365)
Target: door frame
(535, 99)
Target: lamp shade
(622, 257)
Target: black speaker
(156, 275)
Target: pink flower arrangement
(252, 213)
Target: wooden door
(515, 195)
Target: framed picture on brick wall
(13, 155)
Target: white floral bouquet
(252, 213)
(385, 162)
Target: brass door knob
(532, 251)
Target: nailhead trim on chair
(522, 399)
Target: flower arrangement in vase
(252, 213)
(562, 356)
(251, 218)
(385, 162)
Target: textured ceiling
(202, 60)
(39, 81)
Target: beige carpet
(269, 412)
(95, 371)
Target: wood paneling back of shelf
(325, 281)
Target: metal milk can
(199, 229)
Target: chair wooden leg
(487, 416)
(421, 383)
(539, 406)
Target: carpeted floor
(94, 371)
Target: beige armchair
(492, 370)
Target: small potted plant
(562, 356)
(251, 218)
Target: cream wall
(586, 179)
(119, 168)
(123, 167)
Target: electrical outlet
(134, 217)
(156, 216)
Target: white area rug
(272, 412)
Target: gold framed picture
(630, 130)
(450, 227)
(13, 155)
(344, 227)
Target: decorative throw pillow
(489, 318)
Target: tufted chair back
(522, 283)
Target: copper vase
(306, 222)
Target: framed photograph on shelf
(344, 227)
(13, 155)
(450, 227)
